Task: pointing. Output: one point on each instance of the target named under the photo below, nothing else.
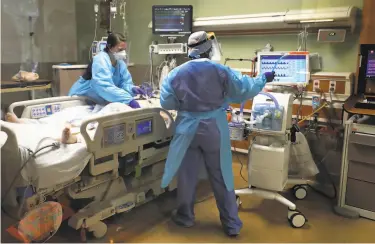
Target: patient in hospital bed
(69, 120)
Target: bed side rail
(11, 141)
(9, 155)
(56, 103)
(125, 132)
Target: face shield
(201, 43)
(216, 52)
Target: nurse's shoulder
(102, 58)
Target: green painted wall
(339, 57)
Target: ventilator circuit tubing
(264, 94)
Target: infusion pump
(98, 46)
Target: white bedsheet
(50, 166)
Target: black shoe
(232, 234)
(177, 220)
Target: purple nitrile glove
(269, 76)
(134, 104)
(137, 90)
(147, 90)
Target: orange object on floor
(229, 117)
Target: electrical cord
(54, 145)
(328, 114)
(242, 165)
(329, 178)
(317, 110)
(239, 160)
(300, 106)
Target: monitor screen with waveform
(172, 20)
(290, 69)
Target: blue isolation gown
(108, 84)
(200, 90)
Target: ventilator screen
(292, 69)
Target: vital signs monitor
(172, 20)
(291, 68)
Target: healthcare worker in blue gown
(107, 79)
(200, 90)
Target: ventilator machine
(270, 126)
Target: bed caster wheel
(238, 201)
(296, 219)
(98, 230)
(300, 192)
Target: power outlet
(332, 86)
(316, 85)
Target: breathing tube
(264, 94)
(272, 97)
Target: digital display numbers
(114, 135)
(144, 127)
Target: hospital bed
(118, 166)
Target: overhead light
(317, 20)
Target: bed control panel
(38, 112)
(114, 135)
(44, 111)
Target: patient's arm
(66, 138)
(12, 118)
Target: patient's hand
(67, 136)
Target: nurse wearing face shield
(107, 79)
(200, 90)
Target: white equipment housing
(269, 155)
(270, 152)
(169, 48)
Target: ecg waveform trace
(288, 69)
